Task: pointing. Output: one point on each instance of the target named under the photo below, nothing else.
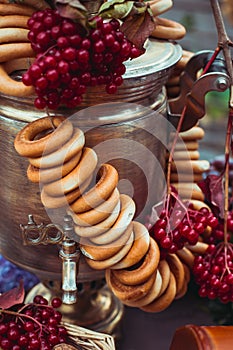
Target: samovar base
(99, 311)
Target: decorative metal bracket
(36, 234)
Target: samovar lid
(159, 55)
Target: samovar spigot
(70, 255)
(35, 234)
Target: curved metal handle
(193, 90)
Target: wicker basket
(85, 339)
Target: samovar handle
(194, 88)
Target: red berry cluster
(32, 326)
(178, 225)
(213, 272)
(68, 59)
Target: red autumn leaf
(72, 9)
(138, 26)
(212, 187)
(12, 297)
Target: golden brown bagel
(76, 177)
(125, 217)
(26, 143)
(186, 256)
(51, 174)
(63, 200)
(168, 29)
(96, 230)
(165, 300)
(139, 249)
(165, 272)
(142, 272)
(98, 214)
(128, 293)
(177, 270)
(64, 153)
(106, 251)
(150, 296)
(107, 263)
(107, 181)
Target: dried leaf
(72, 9)
(116, 9)
(213, 189)
(12, 297)
(138, 26)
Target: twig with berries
(213, 271)
(31, 326)
(75, 50)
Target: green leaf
(118, 9)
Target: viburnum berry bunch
(213, 272)
(179, 224)
(69, 58)
(32, 326)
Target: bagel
(128, 293)
(95, 230)
(159, 6)
(182, 177)
(51, 174)
(168, 29)
(198, 166)
(198, 248)
(10, 51)
(26, 143)
(187, 146)
(13, 35)
(150, 296)
(61, 201)
(141, 273)
(139, 249)
(107, 263)
(11, 87)
(125, 217)
(18, 21)
(164, 301)
(186, 256)
(195, 133)
(189, 190)
(177, 270)
(16, 9)
(106, 251)
(165, 272)
(107, 180)
(76, 177)
(186, 155)
(73, 146)
(197, 204)
(98, 214)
